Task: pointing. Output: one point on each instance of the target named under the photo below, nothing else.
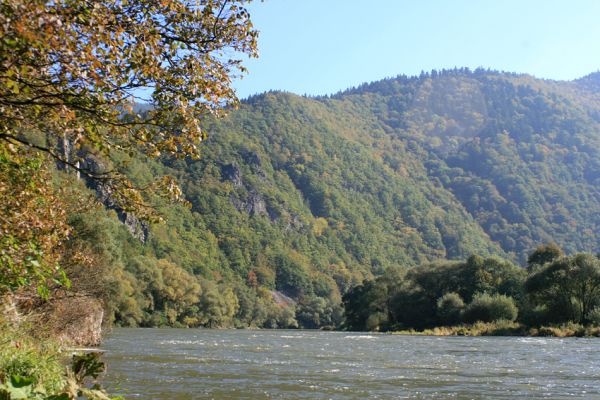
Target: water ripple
(195, 364)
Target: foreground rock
(73, 319)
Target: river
(179, 364)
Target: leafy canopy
(74, 70)
(71, 73)
(570, 283)
(33, 223)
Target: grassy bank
(40, 361)
(36, 368)
(506, 328)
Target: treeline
(307, 198)
(295, 201)
(554, 289)
(138, 288)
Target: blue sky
(322, 46)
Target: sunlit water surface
(246, 364)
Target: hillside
(519, 154)
(307, 197)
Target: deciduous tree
(73, 70)
(72, 73)
(573, 281)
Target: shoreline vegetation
(556, 295)
(505, 328)
(41, 368)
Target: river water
(276, 364)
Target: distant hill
(590, 82)
(309, 196)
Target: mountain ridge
(309, 196)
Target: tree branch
(103, 176)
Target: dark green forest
(554, 289)
(296, 201)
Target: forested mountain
(295, 200)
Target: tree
(449, 308)
(363, 301)
(543, 254)
(217, 306)
(490, 308)
(314, 312)
(71, 75)
(571, 282)
(178, 292)
(367, 306)
(73, 70)
(33, 224)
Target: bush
(23, 356)
(34, 368)
(449, 308)
(490, 308)
(594, 317)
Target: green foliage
(516, 152)
(566, 290)
(594, 316)
(32, 223)
(366, 307)
(22, 357)
(431, 295)
(291, 277)
(310, 197)
(18, 387)
(490, 308)
(314, 312)
(449, 308)
(569, 288)
(34, 368)
(87, 365)
(544, 254)
(101, 55)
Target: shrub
(489, 308)
(40, 361)
(594, 316)
(34, 368)
(569, 329)
(449, 308)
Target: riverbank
(38, 367)
(506, 328)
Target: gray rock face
(281, 299)
(254, 205)
(233, 173)
(137, 228)
(251, 158)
